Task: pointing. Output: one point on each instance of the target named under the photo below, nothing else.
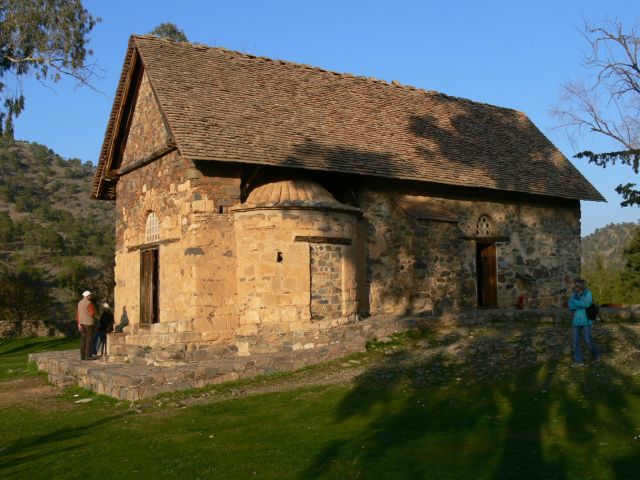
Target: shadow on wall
(124, 321)
(413, 266)
(476, 142)
(413, 253)
(434, 416)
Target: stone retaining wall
(139, 373)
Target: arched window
(152, 231)
(484, 226)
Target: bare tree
(607, 101)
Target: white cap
(86, 293)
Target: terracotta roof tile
(424, 208)
(228, 106)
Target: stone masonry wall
(196, 241)
(412, 265)
(274, 274)
(147, 133)
(422, 265)
(226, 274)
(326, 281)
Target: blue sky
(515, 54)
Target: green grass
(423, 419)
(14, 352)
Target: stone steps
(126, 381)
(131, 372)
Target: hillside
(38, 186)
(607, 242)
(54, 241)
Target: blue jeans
(593, 348)
(100, 340)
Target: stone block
(250, 317)
(300, 298)
(243, 349)
(203, 325)
(289, 314)
(249, 329)
(270, 315)
(211, 336)
(304, 314)
(284, 299)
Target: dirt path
(476, 352)
(32, 392)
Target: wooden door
(487, 273)
(149, 287)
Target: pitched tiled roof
(228, 106)
(425, 208)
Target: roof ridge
(346, 75)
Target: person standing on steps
(104, 326)
(581, 324)
(86, 324)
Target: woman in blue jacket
(578, 302)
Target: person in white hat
(86, 324)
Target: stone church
(259, 197)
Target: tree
(25, 295)
(607, 102)
(632, 268)
(170, 31)
(44, 38)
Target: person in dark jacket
(104, 326)
(579, 301)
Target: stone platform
(134, 373)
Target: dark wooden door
(149, 287)
(487, 281)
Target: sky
(515, 54)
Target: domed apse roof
(292, 193)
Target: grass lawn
(403, 417)
(14, 352)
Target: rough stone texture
(276, 295)
(247, 272)
(291, 262)
(196, 243)
(142, 373)
(418, 265)
(147, 133)
(326, 281)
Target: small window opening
(484, 226)
(279, 257)
(222, 209)
(152, 229)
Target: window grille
(152, 229)
(484, 226)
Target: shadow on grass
(506, 414)
(36, 344)
(52, 444)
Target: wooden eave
(109, 166)
(125, 114)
